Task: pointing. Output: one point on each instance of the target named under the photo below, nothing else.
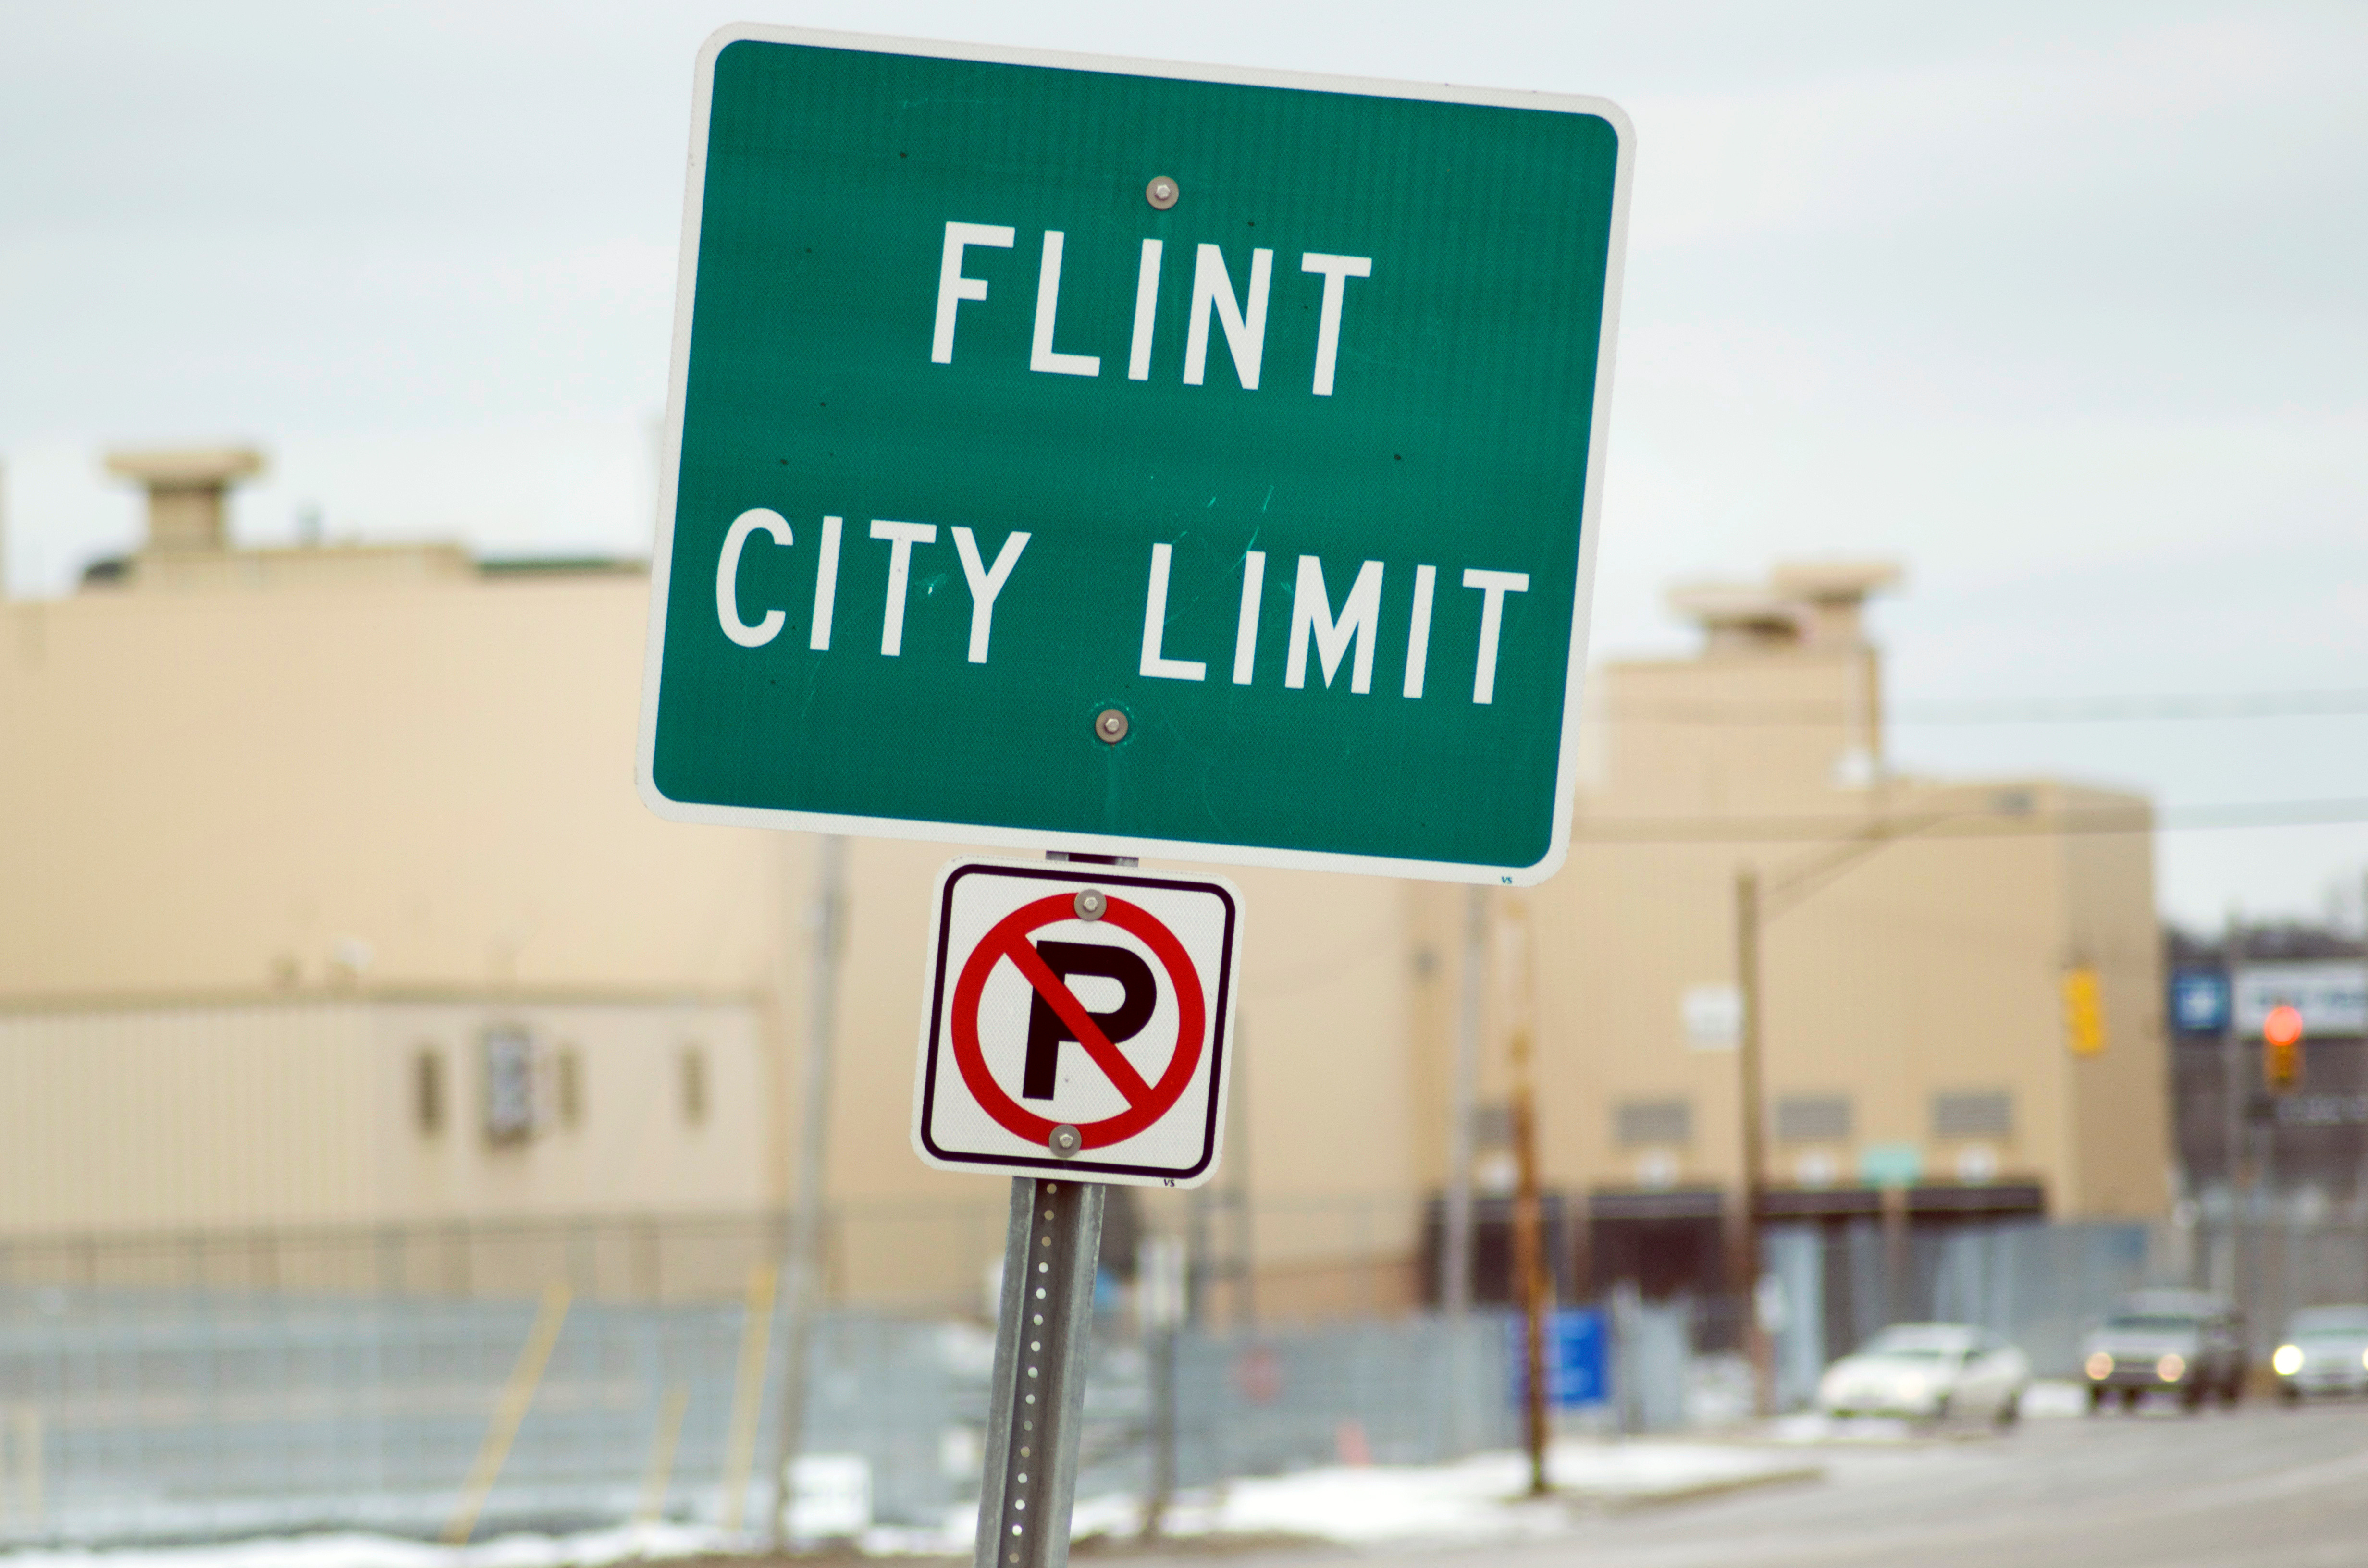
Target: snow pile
(2050, 1400)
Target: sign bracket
(1043, 1329)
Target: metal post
(1243, 1306)
(657, 1476)
(748, 1395)
(1627, 1377)
(2232, 1093)
(2360, 1179)
(1528, 1268)
(1455, 1237)
(804, 1265)
(509, 1412)
(1529, 1263)
(1159, 1290)
(1163, 1432)
(1745, 1230)
(1895, 1252)
(1037, 1408)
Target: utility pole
(1530, 1279)
(828, 927)
(1455, 1222)
(1744, 1244)
(1455, 1240)
(1756, 903)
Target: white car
(2325, 1351)
(1929, 1372)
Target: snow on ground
(1478, 1499)
(1482, 1498)
(359, 1550)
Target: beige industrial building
(335, 944)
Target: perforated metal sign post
(1128, 459)
(1078, 1022)
(1076, 1034)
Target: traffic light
(2084, 1011)
(2281, 1055)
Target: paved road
(2261, 1488)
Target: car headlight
(2170, 1367)
(2099, 1366)
(2288, 1360)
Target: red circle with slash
(1145, 1103)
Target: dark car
(2179, 1341)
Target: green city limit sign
(1105, 456)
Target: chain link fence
(151, 1392)
(164, 1415)
(2277, 1257)
(153, 1416)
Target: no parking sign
(1079, 1019)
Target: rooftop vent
(185, 487)
(1802, 604)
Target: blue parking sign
(2199, 1001)
(1574, 1357)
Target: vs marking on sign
(1080, 1020)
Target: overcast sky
(2066, 308)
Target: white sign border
(1591, 509)
(1224, 1004)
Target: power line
(2095, 709)
(2004, 819)
(2157, 706)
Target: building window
(1986, 1114)
(568, 1070)
(428, 1091)
(694, 1085)
(1813, 1119)
(509, 1085)
(1653, 1122)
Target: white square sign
(1079, 1019)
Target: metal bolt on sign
(1050, 1252)
(1161, 193)
(1090, 903)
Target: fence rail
(1343, 1255)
